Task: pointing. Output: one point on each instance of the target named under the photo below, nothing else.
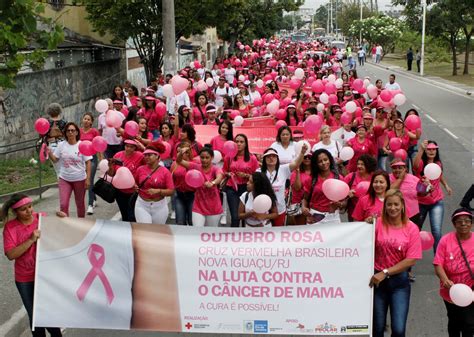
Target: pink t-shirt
(14, 234)
(179, 174)
(132, 163)
(366, 147)
(89, 135)
(297, 196)
(365, 208)
(405, 139)
(207, 201)
(436, 193)
(240, 165)
(198, 115)
(352, 186)
(408, 189)
(393, 245)
(318, 200)
(160, 179)
(152, 117)
(217, 143)
(448, 256)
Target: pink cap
(149, 98)
(461, 213)
(270, 152)
(130, 141)
(398, 162)
(431, 146)
(149, 151)
(368, 115)
(117, 101)
(22, 202)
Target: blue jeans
(184, 208)
(156, 134)
(382, 161)
(393, 292)
(233, 200)
(412, 151)
(91, 193)
(436, 213)
(26, 290)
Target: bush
(436, 50)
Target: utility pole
(422, 63)
(360, 33)
(327, 12)
(330, 14)
(169, 32)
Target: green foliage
(321, 16)
(19, 28)
(381, 30)
(351, 13)
(287, 22)
(436, 50)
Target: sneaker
(173, 215)
(223, 220)
(94, 204)
(90, 210)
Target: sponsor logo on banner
(355, 329)
(325, 328)
(260, 326)
(248, 326)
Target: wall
(75, 88)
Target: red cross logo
(188, 325)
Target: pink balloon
(312, 124)
(346, 118)
(43, 154)
(42, 126)
(194, 178)
(362, 188)
(295, 84)
(372, 91)
(330, 88)
(310, 80)
(358, 112)
(279, 124)
(280, 114)
(112, 119)
(99, 144)
(234, 114)
(131, 128)
(400, 153)
(268, 98)
(166, 154)
(335, 189)
(160, 108)
(201, 86)
(101, 105)
(385, 95)
(317, 86)
(273, 106)
(357, 84)
(332, 99)
(291, 69)
(413, 122)
(273, 74)
(257, 102)
(230, 149)
(179, 83)
(395, 144)
(285, 102)
(427, 240)
(103, 166)
(362, 90)
(123, 179)
(86, 148)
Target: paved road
(447, 118)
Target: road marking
(431, 118)
(416, 107)
(450, 133)
(116, 217)
(11, 324)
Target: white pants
(155, 212)
(200, 220)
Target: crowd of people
(386, 174)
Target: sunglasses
(307, 157)
(71, 130)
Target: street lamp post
(360, 34)
(422, 61)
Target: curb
(465, 90)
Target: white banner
(288, 280)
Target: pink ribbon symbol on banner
(96, 257)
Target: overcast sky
(316, 3)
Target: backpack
(55, 130)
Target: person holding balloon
(149, 112)
(299, 178)
(131, 159)
(89, 133)
(109, 121)
(199, 111)
(369, 207)
(413, 124)
(284, 145)
(238, 167)
(454, 266)
(398, 139)
(205, 178)
(54, 134)
(397, 247)
(361, 144)
(431, 203)
(74, 170)
(153, 184)
(317, 205)
(144, 137)
(258, 206)
(186, 134)
(278, 174)
(225, 134)
(183, 198)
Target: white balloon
(299, 146)
(461, 294)
(168, 90)
(432, 171)
(103, 166)
(217, 157)
(339, 82)
(324, 98)
(238, 121)
(351, 106)
(399, 99)
(346, 153)
(259, 83)
(332, 78)
(366, 82)
(299, 73)
(262, 204)
(273, 106)
(101, 105)
(210, 82)
(320, 107)
(241, 78)
(191, 65)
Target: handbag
(105, 189)
(292, 209)
(133, 198)
(422, 189)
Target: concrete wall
(75, 88)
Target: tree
(381, 30)
(350, 13)
(141, 22)
(288, 22)
(21, 26)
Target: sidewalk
(438, 81)
(13, 318)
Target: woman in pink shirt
(240, 105)
(199, 111)
(399, 131)
(89, 133)
(432, 203)
(454, 264)
(19, 243)
(361, 144)
(131, 159)
(369, 207)
(207, 206)
(413, 145)
(144, 137)
(397, 247)
(225, 133)
(153, 183)
(149, 112)
(299, 178)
